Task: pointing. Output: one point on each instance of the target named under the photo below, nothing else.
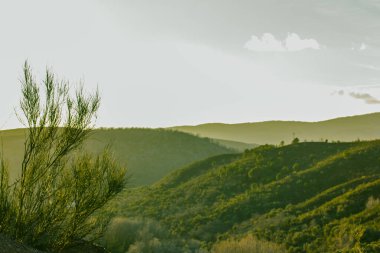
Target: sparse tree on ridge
(296, 140)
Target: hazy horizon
(175, 62)
(205, 123)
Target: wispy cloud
(267, 43)
(369, 87)
(368, 66)
(292, 43)
(367, 98)
(360, 47)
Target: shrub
(52, 203)
(142, 235)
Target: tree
(295, 140)
(53, 202)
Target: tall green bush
(51, 205)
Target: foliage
(248, 244)
(52, 202)
(295, 140)
(309, 197)
(139, 235)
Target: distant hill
(363, 127)
(308, 197)
(149, 154)
(235, 145)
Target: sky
(160, 63)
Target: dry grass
(248, 244)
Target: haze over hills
(363, 127)
(235, 145)
(149, 154)
(307, 197)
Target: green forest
(304, 197)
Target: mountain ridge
(350, 128)
(295, 121)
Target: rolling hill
(363, 127)
(149, 154)
(236, 145)
(307, 197)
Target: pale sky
(161, 63)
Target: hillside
(8, 246)
(363, 127)
(149, 154)
(235, 145)
(307, 197)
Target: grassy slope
(306, 196)
(149, 154)
(364, 127)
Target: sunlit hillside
(306, 197)
(363, 127)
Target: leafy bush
(142, 235)
(51, 205)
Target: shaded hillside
(306, 196)
(149, 154)
(238, 146)
(363, 127)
